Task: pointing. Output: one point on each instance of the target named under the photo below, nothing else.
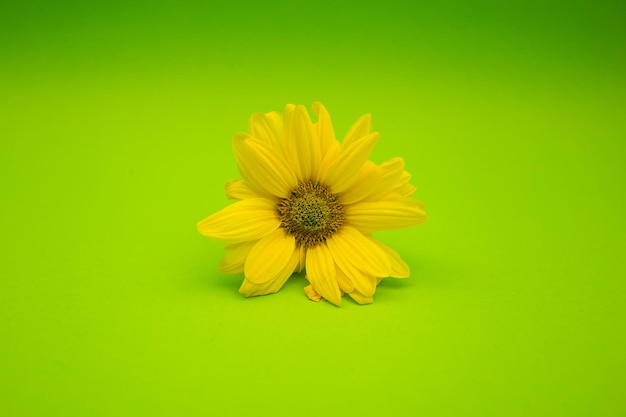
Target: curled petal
(312, 294)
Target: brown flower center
(311, 213)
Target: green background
(115, 128)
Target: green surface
(115, 128)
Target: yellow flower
(307, 201)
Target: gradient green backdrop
(115, 128)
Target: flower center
(311, 213)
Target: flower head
(306, 201)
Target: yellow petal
(402, 187)
(368, 179)
(359, 129)
(325, 131)
(404, 178)
(391, 173)
(249, 219)
(385, 215)
(331, 155)
(312, 294)
(360, 298)
(351, 275)
(374, 183)
(302, 263)
(302, 144)
(262, 170)
(269, 128)
(275, 123)
(349, 246)
(342, 173)
(399, 268)
(239, 190)
(264, 128)
(269, 257)
(345, 283)
(234, 260)
(405, 190)
(286, 123)
(389, 179)
(287, 114)
(393, 168)
(320, 270)
(390, 196)
(251, 289)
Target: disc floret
(311, 213)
